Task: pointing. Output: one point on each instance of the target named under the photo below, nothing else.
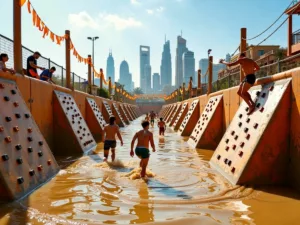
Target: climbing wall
(94, 119)
(124, 114)
(106, 111)
(174, 116)
(165, 115)
(26, 160)
(174, 110)
(170, 112)
(130, 117)
(180, 116)
(162, 111)
(119, 119)
(71, 133)
(208, 130)
(190, 119)
(254, 149)
(132, 111)
(129, 112)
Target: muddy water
(181, 189)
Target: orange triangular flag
(22, 2)
(29, 7)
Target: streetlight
(93, 39)
(208, 53)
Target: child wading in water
(109, 138)
(162, 127)
(142, 149)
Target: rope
(249, 39)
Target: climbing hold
(40, 168)
(29, 139)
(227, 148)
(41, 143)
(16, 129)
(5, 157)
(242, 144)
(8, 119)
(16, 104)
(13, 92)
(18, 116)
(8, 139)
(31, 172)
(240, 124)
(29, 149)
(248, 136)
(18, 147)
(233, 147)
(246, 130)
(29, 130)
(27, 116)
(20, 180)
(1, 128)
(6, 98)
(49, 162)
(218, 157)
(241, 153)
(19, 161)
(40, 153)
(255, 125)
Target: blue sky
(123, 25)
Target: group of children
(144, 137)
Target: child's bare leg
(144, 166)
(247, 97)
(106, 153)
(113, 155)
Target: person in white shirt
(3, 60)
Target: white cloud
(102, 21)
(150, 11)
(157, 10)
(135, 2)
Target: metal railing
(296, 37)
(59, 77)
(280, 66)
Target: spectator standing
(32, 65)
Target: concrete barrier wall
(38, 96)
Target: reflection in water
(144, 212)
(181, 189)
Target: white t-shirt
(2, 65)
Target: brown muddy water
(182, 189)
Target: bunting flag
(22, 2)
(37, 22)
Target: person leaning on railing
(3, 59)
(32, 65)
(46, 75)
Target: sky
(124, 25)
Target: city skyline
(166, 65)
(116, 28)
(110, 67)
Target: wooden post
(191, 87)
(243, 49)
(199, 79)
(17, 37)
(290, 35)
(90, 74)
(68, 59)
(101, 78)
(109, 85)
(183, 91)
(210, 75)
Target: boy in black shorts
(109, 138)
(249, 67)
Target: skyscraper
(110, 67)
(166, 66)
(228, 58)
(125, 76)
(147, 71)
(188, 66)
(203, 66)
(144, 60)
(156, 82)
(181, 48)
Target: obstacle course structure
(188, 122)
(254, 148)
(119, 119)
(180, 116)
(207, 132)
(72, 134)
(26, 160)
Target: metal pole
(68, 60)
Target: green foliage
(138, 91)
(103, 92)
